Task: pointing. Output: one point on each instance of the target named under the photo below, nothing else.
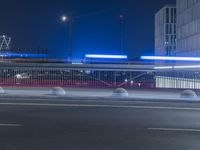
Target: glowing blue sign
(106, 56)
(164, 58)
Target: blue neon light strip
(164, 58)
(106, 56)
(23, 55)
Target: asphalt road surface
(57, 124)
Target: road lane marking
(9, 125)
(102, 106)
(174, 129)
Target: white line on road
(102, 106)
(175, 129)
(9, 125)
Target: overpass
(99, 75)
(58, 66)
(101, 67)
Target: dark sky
(35, 23)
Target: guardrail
(96, 75)
(88, 75)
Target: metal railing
(96, 76)
(109, 76)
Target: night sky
(34, 24)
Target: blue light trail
(106, 56)
(164, 58)
(23, 55)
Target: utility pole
(70, 37)
(121, 17)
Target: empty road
(31, 123)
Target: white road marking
(102, 106)
(175, 129)
(9, 125)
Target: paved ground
(62, 124)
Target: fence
(70, 76)
(178, 80)
(96, 76)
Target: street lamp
(121, 17)
(65, 18)
(69, 19)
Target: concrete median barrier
(58, 91)
(120, 93)
(188, 94)
(2, 91)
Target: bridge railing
(97, 76)
(75, 76)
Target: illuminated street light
(121, 17)
(70, 19)
(65, 18)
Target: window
(167, 29)
(170, 29)
(172, 15)
(167, 15)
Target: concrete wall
(159, 33)
(165, 31)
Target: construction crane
(4, 42)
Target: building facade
(188, 28)
(165, 31)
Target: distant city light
(164, 58)
(121, 16)
(106, 56)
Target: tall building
(165, 31)
(188, 27)
(188, 45)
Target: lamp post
(69, 19)
(121, 17)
